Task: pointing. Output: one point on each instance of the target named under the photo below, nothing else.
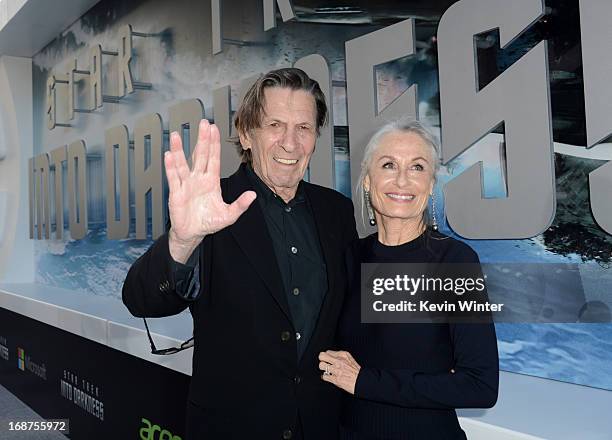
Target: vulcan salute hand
(195, 203)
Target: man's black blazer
(247, 382)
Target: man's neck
(286, 194)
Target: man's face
(283, 144)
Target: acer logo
(149, 431)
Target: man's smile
(285, 161)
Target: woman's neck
(396, 231)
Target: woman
(404, 381)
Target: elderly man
(258, 259)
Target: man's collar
(266, 195)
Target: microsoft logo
(21, 358)
(25, 363)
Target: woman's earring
(368, 203)
(434, 222)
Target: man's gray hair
(403, 125)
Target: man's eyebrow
(272, 118)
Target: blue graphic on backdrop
(577, 353)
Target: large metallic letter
(269, 12)
(77, 189)
(117, 152)
(222, 115)
(148, 176)
(58, 157)
(51, 103)
(216, 31)
(362, 55)
(31, 194)
(600, 185)
(596, 34)
(322, 170)
(125, 57)
(187, 114)
(95, 77)
(43, 207)
(519, 97)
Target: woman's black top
(405, 388)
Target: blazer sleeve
(150, 289)
(474, 383)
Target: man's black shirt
(298, 254)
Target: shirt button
(297, 380)
(285, 336)
(296, 291)
(293, 250)
(287, 434)
(287, 208)
(298, 336)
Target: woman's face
(401, 176)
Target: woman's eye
(273, 124)
(388, 165)
(418, 167)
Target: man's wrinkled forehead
(284, 103)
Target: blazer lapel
(251, 233)
(322, 214)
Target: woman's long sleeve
(474, 384)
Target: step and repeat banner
(98, 392)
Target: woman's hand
(340, 369)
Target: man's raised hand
(195, 202)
